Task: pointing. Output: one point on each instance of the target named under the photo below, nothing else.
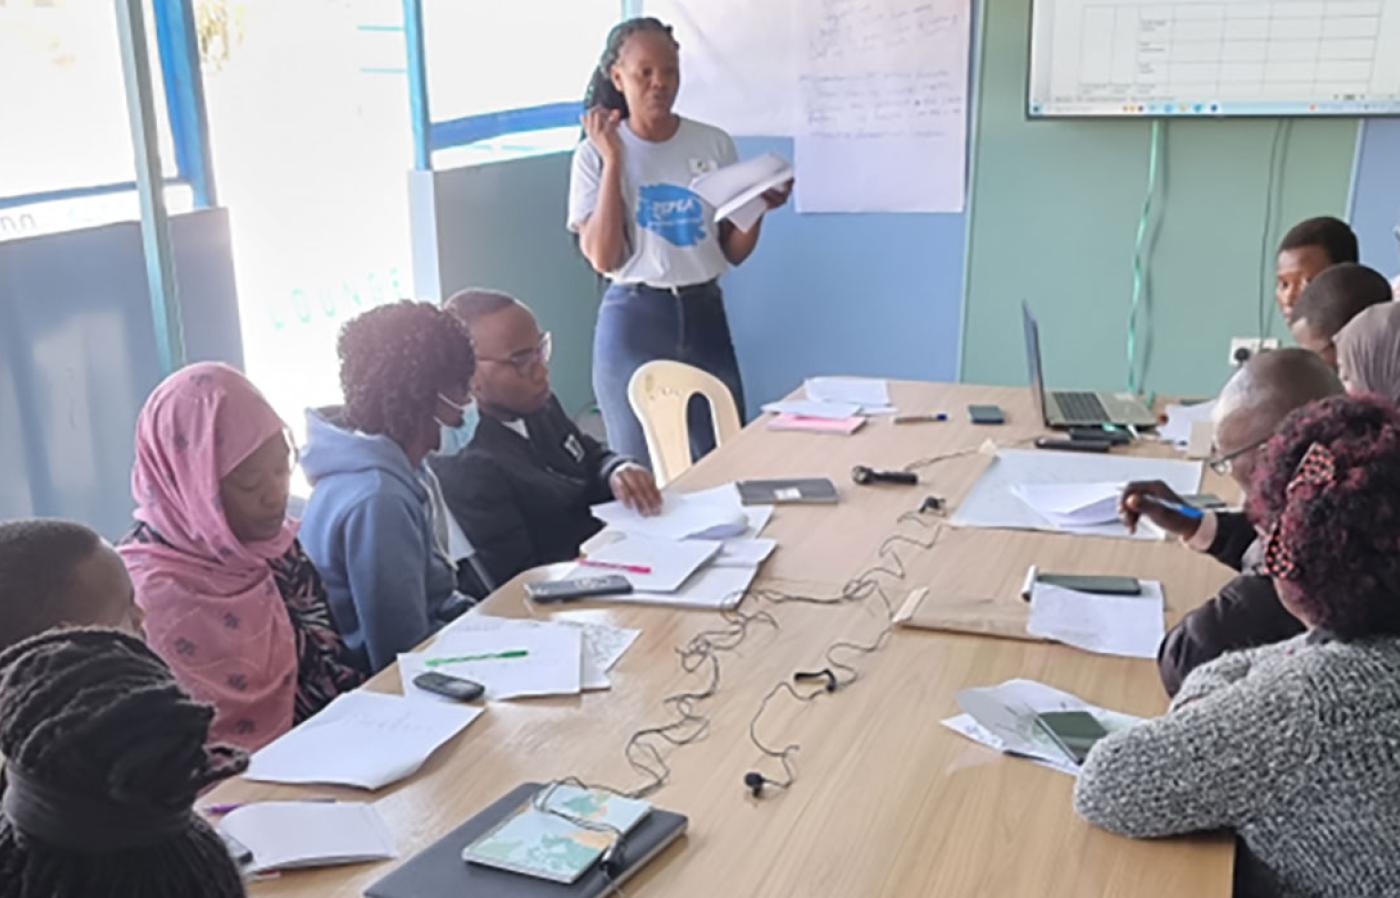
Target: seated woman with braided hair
(1295, 747)
(105, 754)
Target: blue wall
(78, 356)
(1375, 204)
(845, 294)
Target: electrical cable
(1141, 286)
(1264, 318)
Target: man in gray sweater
(1295, 747)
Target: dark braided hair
(394, 360)
(1343, 537)
(601, 91)
(98, 715)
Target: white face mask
(453, 440)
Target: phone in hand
(1075, 732)
(986, 414)
(457, 688)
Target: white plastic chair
(659, 393)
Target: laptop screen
(1033, 360)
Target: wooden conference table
(887, 801)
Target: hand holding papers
(736, 191)
(363, 739)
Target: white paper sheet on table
(1003, 717)
(602, 644)
(554, 665)
(736, 191)
(288, 835)
(1109, 625)
(862, 391)
(1180, 420)
(364, 739)
(682, 515)
(715, 587)
(744, 552)
(1072, 505)
(993, 503)
(814, 408)
(672, 561)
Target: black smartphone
(1075, 732)
(1073, 445)
(1100, 585)
(986, 414)
(578, 588)
(459, 688)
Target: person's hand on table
(601, 127)
(633, 486)
(777, 196)
(1134, 504)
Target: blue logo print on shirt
(672, 211)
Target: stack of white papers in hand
(871, 394)
(603, 645)
(736, 191)
(287, 835)
(1107, 624)
(511, 662)
(1072, 506)
(1003, 717)
(649, 564)
(364, 739)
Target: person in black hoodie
(522, 488)
(1246, 612)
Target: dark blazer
(524, 502)
(1245, 613)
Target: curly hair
(1343, 536)
(395, 360)
(96, 714)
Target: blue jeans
(637, 324)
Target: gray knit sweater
(1295, 747)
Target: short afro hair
(38, 561)
(1343, 537)
(1334, 236)
(395, 360)
(1338, 295)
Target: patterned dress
(325, 667)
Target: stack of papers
(1107, 624)
(736, 191)
(1181, 419)
(548, 846)
(1003, 717)
(1072, 506)
(843, 426)
(872, 395)
(730, 550)
(363, 739)
(812, 408)
(287, 835)
(601, 646)
(511, 662)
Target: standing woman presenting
(641, 227)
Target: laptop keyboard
(1081, 407)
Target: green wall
(1054, 213)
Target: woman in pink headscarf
(231, 601)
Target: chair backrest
(660, 392)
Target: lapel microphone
(865, 475)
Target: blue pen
(1189, 511)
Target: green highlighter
(489, 656)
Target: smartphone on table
(1075, 732)
(986, 414)
(457, 688)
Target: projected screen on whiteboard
(1214, 58)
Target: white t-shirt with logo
(672, 236)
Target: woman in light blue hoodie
(371, 525)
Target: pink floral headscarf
(213, 610)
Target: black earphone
(825, 673)
(863, 474)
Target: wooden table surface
(887, 801)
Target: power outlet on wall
(1242, 349)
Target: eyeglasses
(1224, 464)
(526, 359)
